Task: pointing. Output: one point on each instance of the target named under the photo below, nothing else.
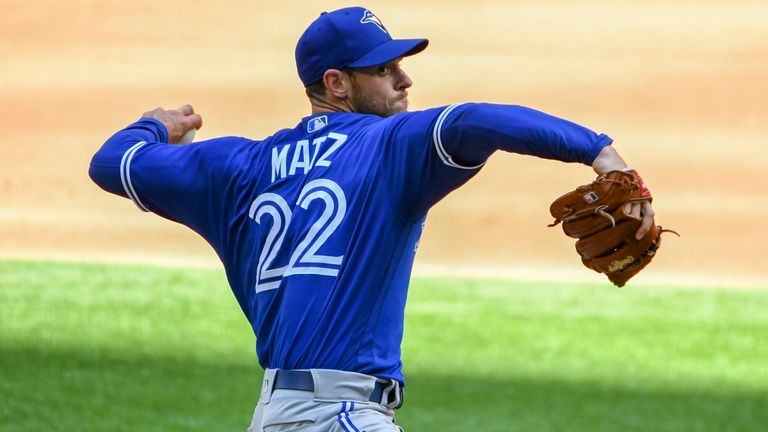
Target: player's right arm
(439, 149)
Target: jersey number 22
(304, 259)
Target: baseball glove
(594, 214)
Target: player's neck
(320, 106)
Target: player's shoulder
(373, 125)
(227, 152)
(359, 126)
(414, 124)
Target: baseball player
(317, 225)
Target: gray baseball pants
(339, 402)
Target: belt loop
(267, 385)
(397, 398)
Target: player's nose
(403, 81)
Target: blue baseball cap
(352, 37)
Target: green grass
(125, 348)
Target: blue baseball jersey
(317, 226)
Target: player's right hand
(177, 121)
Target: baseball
(188, 137)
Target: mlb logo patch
(317, 123)
(591, 197)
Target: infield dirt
(681, 86)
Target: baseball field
(113, 319)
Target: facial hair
(369, 104)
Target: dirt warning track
(680, 87)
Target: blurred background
(680, 85)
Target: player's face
(380, 90)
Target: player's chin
(400, 106)
(392, 107)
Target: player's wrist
(157, 127)
(608, 160)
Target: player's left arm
(110, 167)
(181, 183)
(177, 122)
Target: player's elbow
(97, 173)
(106, 175)
(94, 172)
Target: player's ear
(336, 83)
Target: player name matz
(304, 155)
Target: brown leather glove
(594, 214)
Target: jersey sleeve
(181, 183)
(435, 151)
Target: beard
(366, 103)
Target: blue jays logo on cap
(370, 18)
